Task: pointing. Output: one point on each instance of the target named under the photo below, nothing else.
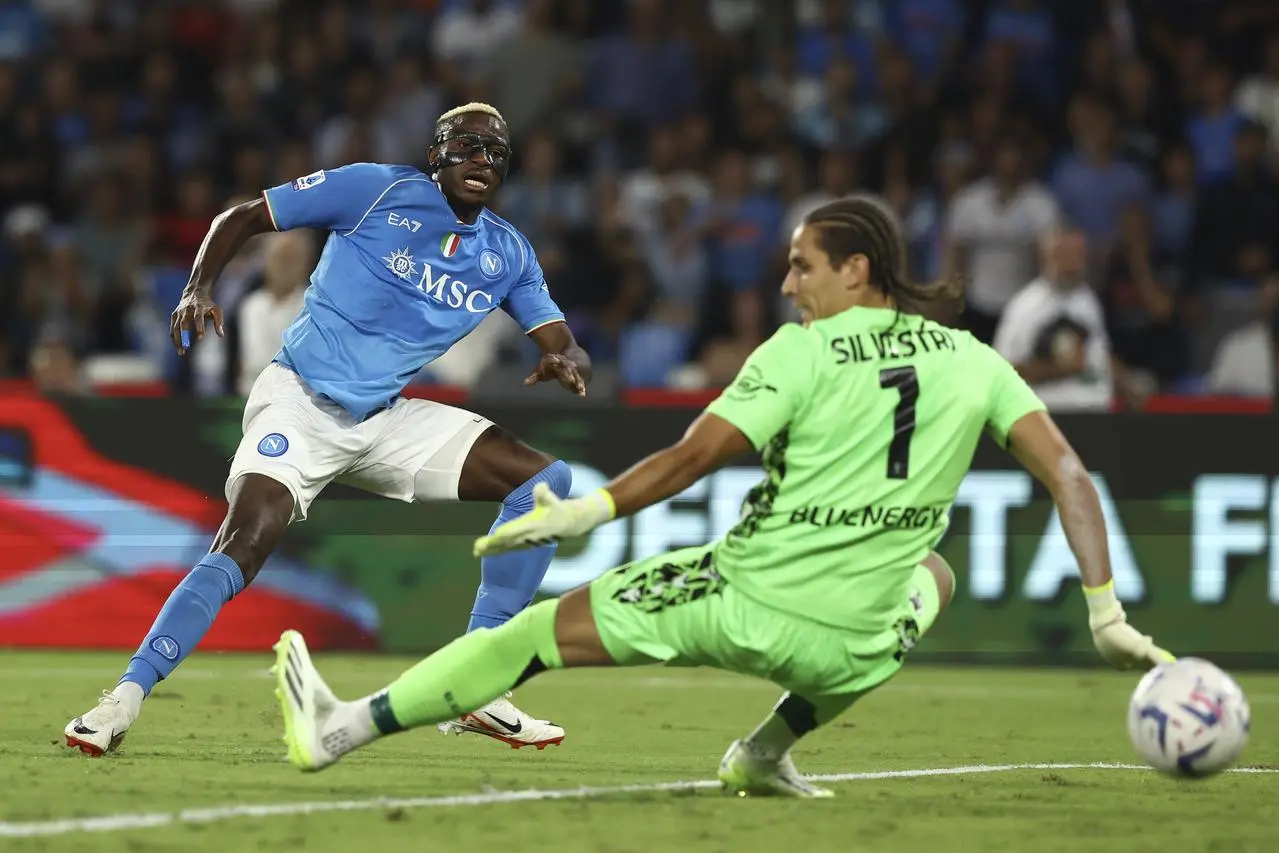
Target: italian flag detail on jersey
(448, 246)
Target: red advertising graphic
(91, 548)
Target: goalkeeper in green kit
(866, 417)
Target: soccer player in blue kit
(413, 262)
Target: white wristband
(1103, 604)
(602, 507)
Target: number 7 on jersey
(906, 381)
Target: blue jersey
(400, 280)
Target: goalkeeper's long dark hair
(865, 225)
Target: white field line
(611, 679)
(152, 820)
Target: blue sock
(184, 620)
(509, 581)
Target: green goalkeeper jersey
(866, 423)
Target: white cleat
(307, 703)
(744, 774)
(101, 729)
(502, 721)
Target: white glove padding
(1120, 644)
(550, 520)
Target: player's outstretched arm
(228, 233)
(769, 389)
(1038, 445)
(709, 443)
(1041, 448)
(563, 359)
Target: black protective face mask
(458, 148)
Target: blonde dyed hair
(472, 107)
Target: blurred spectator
(665, 173)
(663, 151)
(470, 32)
(539, 199)
(781, 82)
(833, 37)
(994, 229)
(929, 32)
(1237, 213)
(110, 244)
(1258, 97)
(42, 282)
(391, 30)
(741, 224)
(181, 230)
(22, 30)
(359, 115)
(404, 123)
(1246, 361)
(678, 262)
(1211, 130)
(267, 312)
(925, 220)
(537, 73)
(836, 178)
(1142, 125)
(642, 77)
(1027, 27)
(1092, 185)
(836, 116)
(1141, 306)
(241, 119)
(55, 369)
(1173, 209)
(1054, 331)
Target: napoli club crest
(491, 264)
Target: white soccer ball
(1188, 718)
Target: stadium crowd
(1103, 172)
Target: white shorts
(412, 451)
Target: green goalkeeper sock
(470, 672)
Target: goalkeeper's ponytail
(865, 225)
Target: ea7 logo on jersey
(399, 221)
(308, 181)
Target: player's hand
(560, 368)
(550, 520)
(190, 318)
(1124, 647)
(1120, 644)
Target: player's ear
(856, 269)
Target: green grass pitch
(209, 741)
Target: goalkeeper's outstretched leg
(675, 609)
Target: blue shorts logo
(166, 647)
(491, 264)
(273, 445)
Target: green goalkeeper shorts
(676, 609)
